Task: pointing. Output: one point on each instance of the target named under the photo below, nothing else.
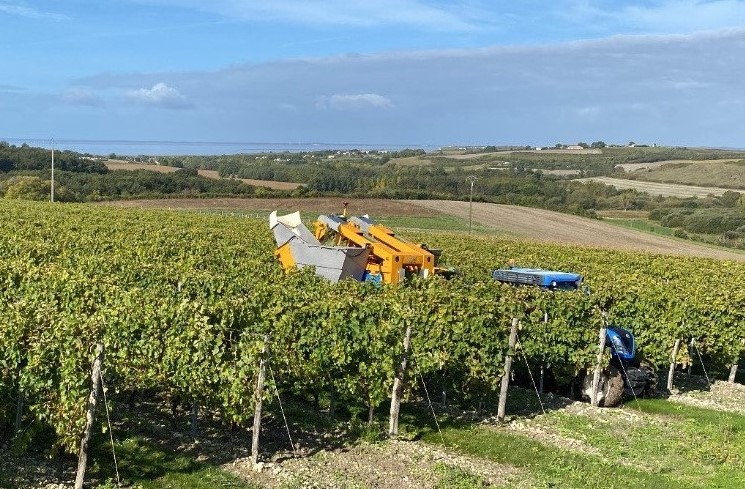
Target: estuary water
(202, 148)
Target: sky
(385, 73)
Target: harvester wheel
(612, 387)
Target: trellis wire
(426, 392)
(282, 410)
(703, 367)
(111, 434)
(538, 395)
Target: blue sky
(391, 72)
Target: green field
(642, 225)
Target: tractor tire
(651, 390)
(612, 386)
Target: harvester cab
(626, 374)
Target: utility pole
(52, 190)
(471, 179)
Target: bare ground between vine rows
(327, 458)
(385, 465)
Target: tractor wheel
(651, 390)
(610, 389)
(611, 383)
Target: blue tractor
(626, 374)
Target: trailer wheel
(612, 387)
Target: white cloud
(82, 96)
(645, 88)
(161, 95)
(642, 16)
(418, 13)
(687, 15)
(28, 12)
(341, 101)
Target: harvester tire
(612, 386)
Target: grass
(435, 223)
(147, 466)
(457, 478)
(642, 225)
(651, 444)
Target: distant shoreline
(197, 148)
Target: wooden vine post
(89, 416)
(398, 386)
(259, 396)
(194, 419)
(733, 371)
(19, 412)
(595, 399)
(502, 408)
(673, 362)
(543, 364)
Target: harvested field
(560, 173)
(555, 227)
(471, 156)
(631, 167)
(710, 174)
(257, 183)
(656, 188)
(126, 165)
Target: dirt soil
(548, 226)
(385, 465)
(325, 459)
(721, 395)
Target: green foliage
(26, 188)
(25, 157)
(182, 303)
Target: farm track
(555, 227)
